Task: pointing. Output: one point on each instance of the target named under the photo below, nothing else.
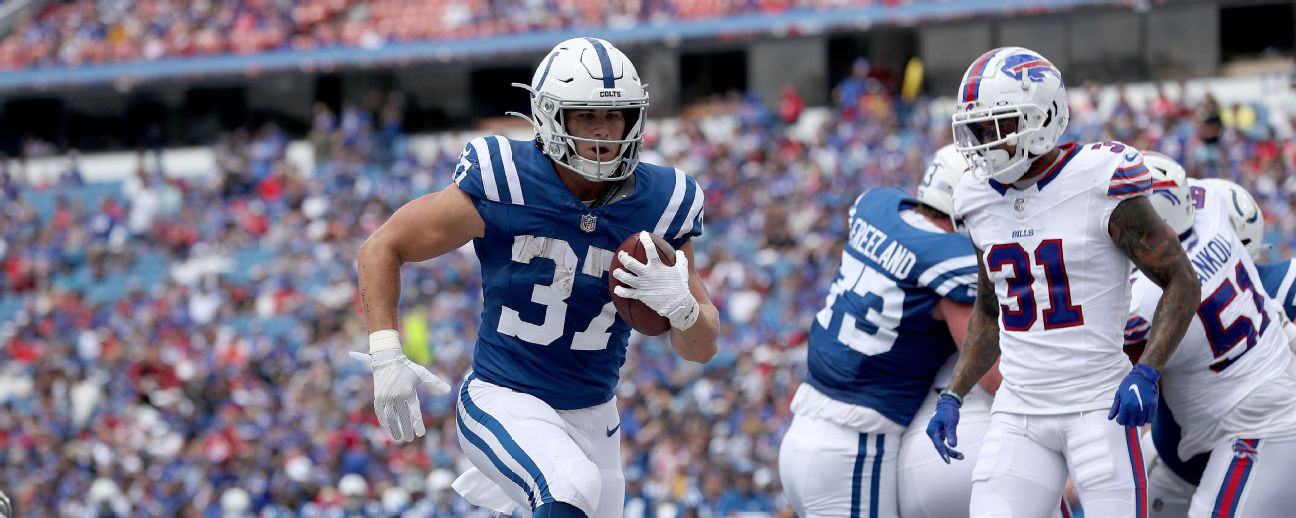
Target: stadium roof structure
(393, 54)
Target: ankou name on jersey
(1211, 257)
(895, 258)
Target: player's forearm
(379, 270)
(698, 342)
(991, 380)
(980, 352)
(1173, 314)
(1155, 249)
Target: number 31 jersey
(1062, 284)
(1233, 359)
(548, 325)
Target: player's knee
(579, 483)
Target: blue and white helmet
(586, 74)
(1009, 84)
(1170, 194)
(1244, 214)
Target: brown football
(640, 317)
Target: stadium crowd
(77, 32)
(178, 346)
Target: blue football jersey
(1277, 279)
(875, 342)
(548, 327)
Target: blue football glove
(1136, 399)
(944, 426)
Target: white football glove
(396, 381)
(663, 288)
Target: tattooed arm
(981, 345)
(424, 228)
(1146, 239)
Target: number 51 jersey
(548, 326)
(1062, 284)
(1231, 373)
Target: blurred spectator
(78, 32)
(169, 344)
(790, 105)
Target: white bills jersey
(1062, 284)
(1233, 347)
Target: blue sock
(558, 510)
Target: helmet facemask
(983, 136)
(617, 168)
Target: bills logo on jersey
(1032, 66)
(1244, 449)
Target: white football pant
(1025, 460)
(532, 454)
(830, 471)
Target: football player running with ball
(537, 416)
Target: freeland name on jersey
(895, 258)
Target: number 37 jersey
(1062, 284)
(548, 325)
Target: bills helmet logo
(1245, 449)
(1031, 66)
(1162, 189)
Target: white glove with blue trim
(396, 381)
(663, 288)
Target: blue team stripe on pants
(874, 491)
(1230, 494)
(857, 479)
(1139, 471)
(480, 443)
(510, 446)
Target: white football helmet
(1244, 214)
(937, 187)
(586, 74)
(1010, 96)
(1170, 193)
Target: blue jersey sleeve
(693, 218)
(954, 278)
(1278, 279)
(486, 171)
(681, 219)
